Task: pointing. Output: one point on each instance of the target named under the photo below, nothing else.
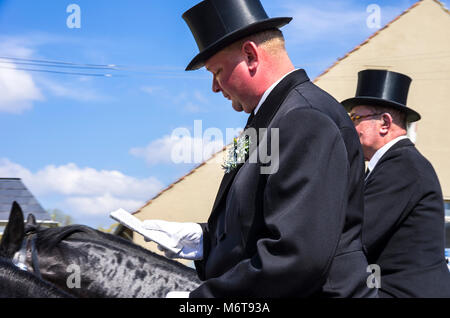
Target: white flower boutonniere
(237, 154)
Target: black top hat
(383, 88)
(216, 24)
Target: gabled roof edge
(442, 6)
(374, 35)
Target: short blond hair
(271, 40)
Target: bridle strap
(28, 250)
(34, 257)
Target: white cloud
(11, 47)
(152, 89)
(158, 151)
(178, 149)
(72, 90)
(73, 180)
(85, 191)
(191, 102)
(332, 21)
(10, 169)
(200, 97)
(311, 22)
(195, 107)
(101, 205)
(18, 90)
(192, 108)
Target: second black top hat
(383, 88)
(215, 24)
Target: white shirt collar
(268, 91)
(380, 153)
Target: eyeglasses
(355, 117)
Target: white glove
(187, 236)
(177, 294)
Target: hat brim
(411, 115)
(199, 61)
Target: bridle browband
(28, 251)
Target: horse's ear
(14, 232)
(31, 224)
(31, 220)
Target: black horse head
(16, 283)
(16, 230)
(88, 263)
(18, 240)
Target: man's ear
(386, 123)
(251, 55)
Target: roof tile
(14, 190)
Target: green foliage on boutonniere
(237, 154)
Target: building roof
(377, 33)
(13, 189)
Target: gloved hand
(187, 236)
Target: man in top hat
(404, 210)
(294, 231)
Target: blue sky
(90, 144)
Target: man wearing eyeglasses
(403, 231)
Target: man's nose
(216, 86)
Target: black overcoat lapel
(262, 120)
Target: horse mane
(106, 259)
(51, 237)
(145, 252)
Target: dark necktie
(250, 119)
(367, 173)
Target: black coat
(404, 224)
(296, 232)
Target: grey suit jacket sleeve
(304, 210)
